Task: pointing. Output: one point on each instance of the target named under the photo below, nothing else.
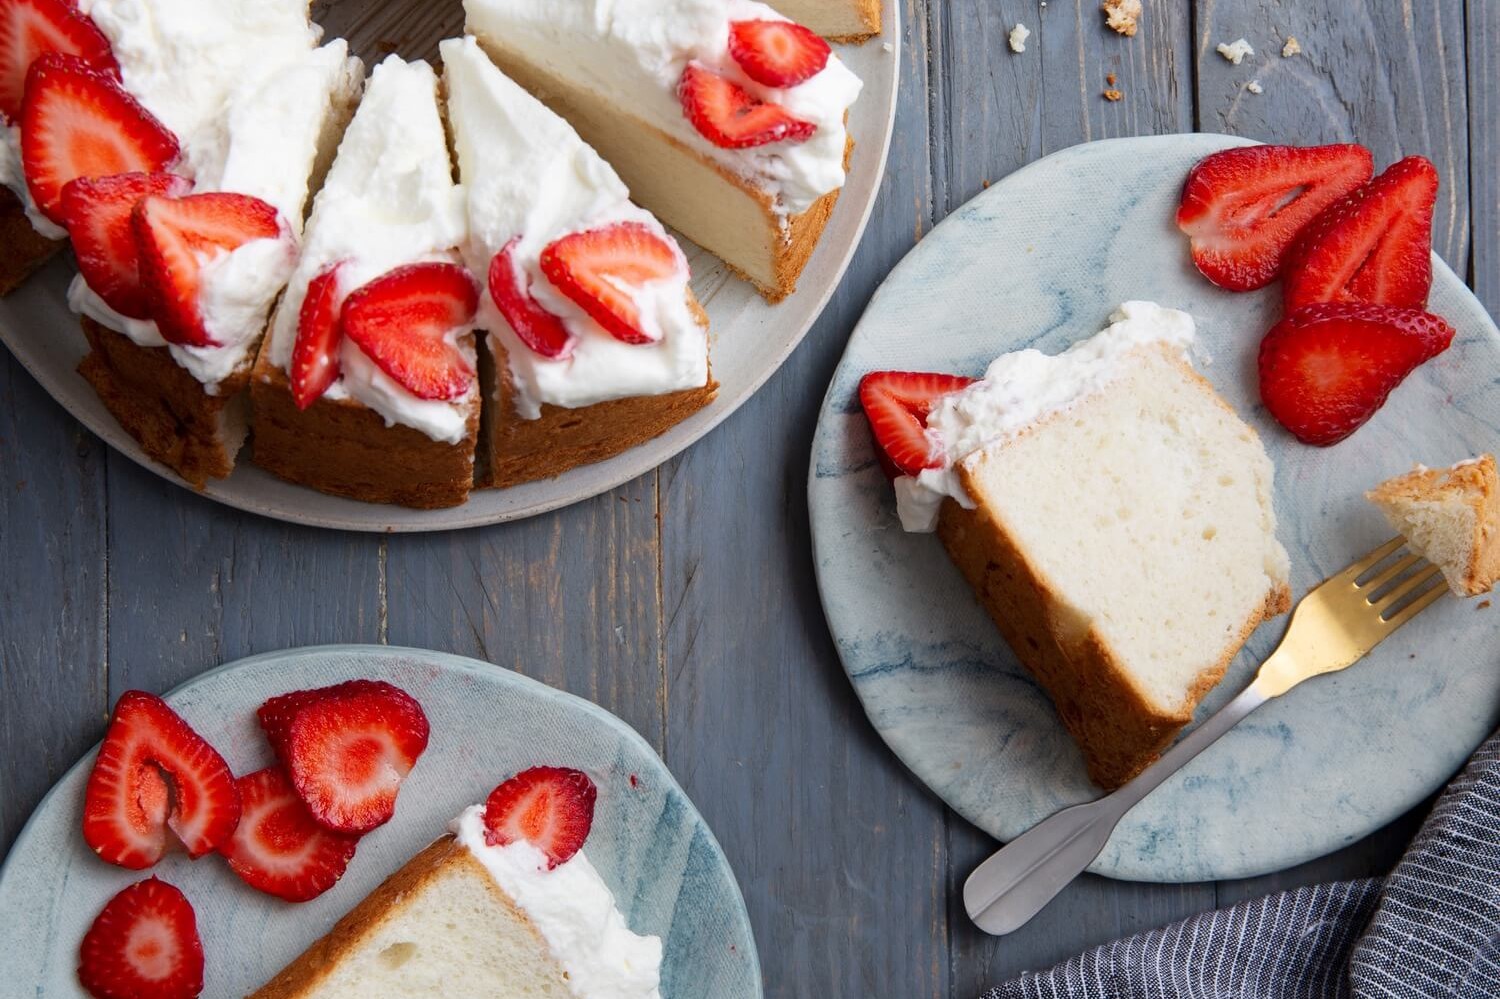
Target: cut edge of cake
(849, 22)
(1451, 517)
(23, 250)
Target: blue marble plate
(1040, 260)
(651, 846)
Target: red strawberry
(1326, 369)
(552, 808)
(278, 848)
(729, 116)
(599, 268)
(277, 713)
(315, 357)
(97, 212)
(78, 122)
(155, 773)
(537, 328)
(348, 748)
(897, 403)
(176, 237)
(1242, 207)
(403, 320)
(30, 29)
(143, 945)
(1374, 245)
(777, 53)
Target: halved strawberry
(154, 773)
(1375, 245)
(276, 713)
(897, 403)
(144, 944)
(177, 237)
(315, 356)
(278, 848)
(97, 213)
(602, 270)
(552, 808)
(729, 116)
(29, 29)
(78, 122)
(1242, 207)
(777, 53)
(535, 326)
(406, 320)
(348, 747)
(1326, 369)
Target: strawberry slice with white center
(731, 117)
(1243, 207)
(97, 213)
(177, 237)
(537, 328)
(278, 848)
(155, 773)
(777, 53)
(78, 122)
(602, 270)
(552, 808)
(897, 403)
(315, 356)
(30, 29)
(407, 321)
(144, 944)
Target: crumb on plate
(1291, 48)
(1235, 51)
(1254, 87)
(1122, 16)
(1018, 36)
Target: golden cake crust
(22, 248)
(1475, 484)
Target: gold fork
(1332, 627)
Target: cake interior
(1451, 517)
(840, 20)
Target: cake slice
(1451, 517)
(724, 120)
(596, 342)
(836, 20)
(1113, 516)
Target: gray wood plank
(1483, 48)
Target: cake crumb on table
(1018, 36)
(1254, 87)
(1291, 48)
(1235, 51)
(1122, 16)
(1113, 95)
(1110, 79)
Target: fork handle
(1015, 883)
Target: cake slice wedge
(1451, 517)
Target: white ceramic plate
(750, 339)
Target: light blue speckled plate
(1041, 259)
(651, 846)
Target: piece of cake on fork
(1451, 517)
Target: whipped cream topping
(529, 175)
(574, 911)
(389, 200)
(1021, 388)
(13, 177)
(636, 50)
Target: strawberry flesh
(537, 328)
(552, 808)
(404, 321)
(1243, 207)
(30, 29)
(97, 213)
(315, 356)
(777, 53)
(731, 117)
(602, 270)
(897, 403)
(144, 944)
(278, 847)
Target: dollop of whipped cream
(575, 913)
(1020, 388)
(639, 48)
(13, 177)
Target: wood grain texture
(1483, 52)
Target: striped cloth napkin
(1429, 929)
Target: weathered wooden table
(684, 601)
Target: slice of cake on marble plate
(1112, 514)
(595, 342)
(367, 385)
(724, 119)
(1451, 517)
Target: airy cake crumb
(1235, 51)
(1018, 36)
(1254, 87)
(1113, 95)
(1122, 15)
(1291, 48)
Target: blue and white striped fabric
(1429, 929)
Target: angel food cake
(1451, 517)
(1112, 514)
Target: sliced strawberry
(897, 403)
(1242, 207)
(777, 53)
(29, 29)
(348, 749)
(602, 269)
(405, 321)
(1374, 245)
(729, 116)
(1326, 369)
(177, 237)
(315, 356)
(535, 326)
(155, 773)
(97, 213)
(277, 713)
(78, 122)
(278, 848)
(144, 944)
(552, 808)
